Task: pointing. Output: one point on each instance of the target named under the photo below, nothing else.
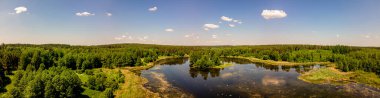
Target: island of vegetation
(55, 70)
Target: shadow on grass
(4, 82)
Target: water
(175, 78)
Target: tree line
(41, 60)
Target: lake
(175, 78)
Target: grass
(92, 93)
(87, 91)
(133, 87)
(84, 78)
(224, 65)
(370, 79)
(331, 75)
(283, 63)
(325, 75)
(9, 86)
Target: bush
(108, 93)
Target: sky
(191, 22)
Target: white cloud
(206, 29)
(84, 14)
(118, 38)
(153, 9)
(20, 9)
(229, 19)
(231, 25)
(214, 36)
(210, 26)
(109, 14)
(224, 18)
(192, 35)
(367, 36)
(273, 14)
(130, 37)
(144, 38)
(337, 35)
(238, 21)
(169, 30)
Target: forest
(51, 70)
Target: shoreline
(282, 63)
(150, 64)
(134, 84)
(331, 75)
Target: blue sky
(191, 22)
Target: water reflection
(216, 72)
(171, 61)
(270, 80)
(204, 73)
(175, 78)
(299, 68)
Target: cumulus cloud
(214, 36)
(229, 19)
(143, 38)
(192, 36)
(169, 30)
(367, 36)
(20, 9)
(231, 25)
(273, 14)
(210, 26)
(131, 38)
(109, 14)
(124, 37)
(84, 14)
(238, 21)
(225, 18)
(118, 38)
(231, 22)
(153, 9)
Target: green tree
(108, 93)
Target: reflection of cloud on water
(162, 81)
(226, 75)
(231, 68)
(166, 90)
(270, 80)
